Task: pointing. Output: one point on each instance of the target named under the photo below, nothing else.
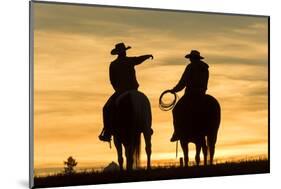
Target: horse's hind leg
(198, 149)
(184, 146)
(201, 144)
(205, 150)
(147, 138)
(118, 146)
(211, 145)
(129, 157)
(212, 153)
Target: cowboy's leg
(106, 115)
(108, 110)
(105, 135)
(112, 111)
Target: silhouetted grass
(156, 173)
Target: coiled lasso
(167, 106)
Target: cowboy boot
(174, 137)
(105, 136)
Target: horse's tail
(143, 119)
(137, 150)
(215, 119)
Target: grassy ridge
(157, 173)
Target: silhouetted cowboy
(123, 78)
(195, 81)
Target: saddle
(124, 95)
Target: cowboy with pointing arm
(123, 78)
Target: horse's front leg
(118, 146)
(198, 149)
(184, 146)
(147, 138)
(129, 157)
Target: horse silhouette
(133, 117)
(198, 122)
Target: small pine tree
(70, 164)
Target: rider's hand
(172, 90)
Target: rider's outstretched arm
(140, 59)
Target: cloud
(72, 56)
(105, 21)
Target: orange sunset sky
(72, 47)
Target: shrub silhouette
(70, 164)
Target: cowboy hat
(119, 47)
(194, 54)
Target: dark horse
(133, 118)
(198, 122)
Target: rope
(167, 106)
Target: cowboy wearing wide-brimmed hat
(119, 48)
(194, 54)
(123, 78)
(195, 81)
